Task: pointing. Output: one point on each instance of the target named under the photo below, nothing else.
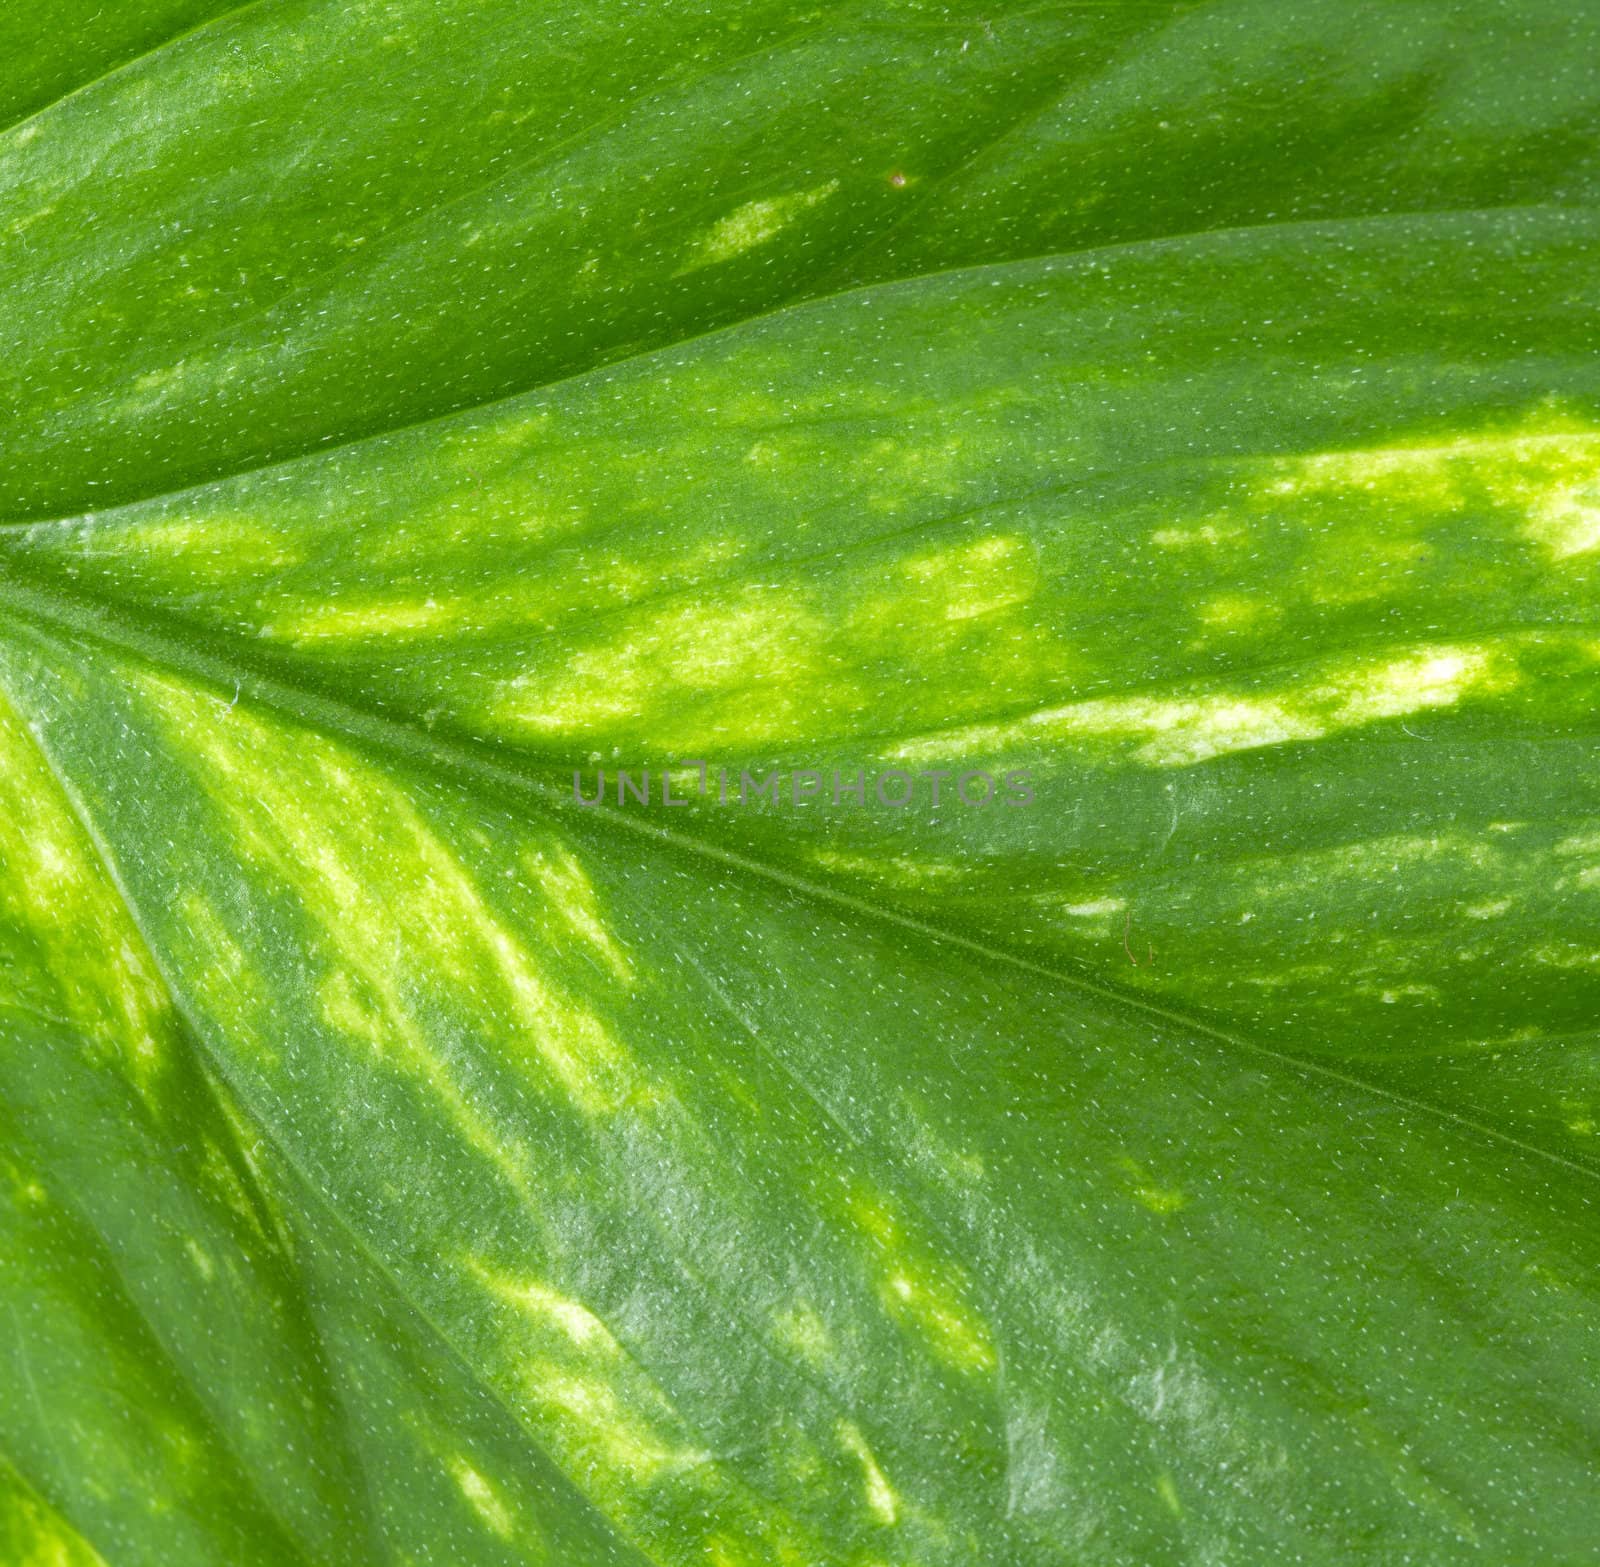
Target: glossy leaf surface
(411, 405)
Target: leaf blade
(709, 1125)
(763, 1187)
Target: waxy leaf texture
(416, 413)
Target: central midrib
(214, 660)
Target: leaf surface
(401, 1161)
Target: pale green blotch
(967, 604)
(207, 548)
(453, 530)
(33, 1534)
(768, 664)
(933, 1150)
(1581, 846)
(1081, 914)
(356, 1006)
(725, 1550)
(220, 972)
(1553, 956)
(761, 652)
(337, 619)
(800, 1329)
(803, 1462)
(572, 896)
(1328, 697)
(1392, 995)
(519, 603)
(1150, 1193)
(603, 1408)
(483, 1497)
(1202, 536)
(203, 1262)
(1578, 1117)
(882, 1502)
(750, 225)
(623, 578)
(20, 226)
(1372, 860)
(1545, 468)
(1092, 908)
(895, 870)
(1544, 1274)
(896, 471)
(961, 582)
(919, 1290)
(356, 619)
(1361, 526)
(377, 881)
(57, 889)
(1235, 613)
(22, 1188)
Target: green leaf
(412, 406)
